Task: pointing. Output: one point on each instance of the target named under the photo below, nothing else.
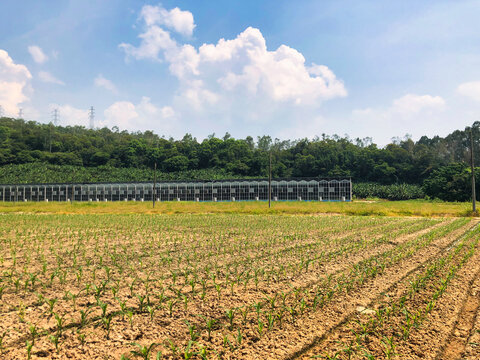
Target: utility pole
(474, 205)
(270, 181)
(91, 117)
(154, 184)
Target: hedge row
(388, 192)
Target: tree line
(401, 161)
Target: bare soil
(238, 287)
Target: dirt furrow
(425, 339)
(463, 333)
(309, 332)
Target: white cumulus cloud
(470, 90)
(144, 115)
(408, 114)
(69, 115)
(412, 104)
(121, 114)
(174, 19)
(100, 81)
(37, 54)
(14, 83)
(49, 78)
(167, 112)
(242, 67)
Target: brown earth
(188, 269)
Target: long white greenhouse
(222, 190)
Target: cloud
(242, 67)
(14, 82)
(411, 113)
(49, 78)
(413, 104)
(69, 115)
(37, 54)
(143, 115)
(100, 81)
(175, 19)
(407, 106)
(470, 90)
(167, 112)
(153, 41)
(120, 114)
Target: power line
(91, 117)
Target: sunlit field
(359, 207)
(235, 286)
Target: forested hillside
(28, 148)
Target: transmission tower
(20, 113)
(91, 117)
(55, 117)
(1, 111)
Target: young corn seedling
(303, 305)
(60, 323)
(203, 353)
(81, 337)
(260, 327)
(239, 337)
(106, 321)
(258, 307)
(192, 331)
(123, 308)
(192, 285)
(143, 351)
(227, 344)
(173, 347)
(51, 303)
(188, 351)
(84, 316)
(29, 345)
(170, 305)
(270, 320)
(219, 290)
(2, 336)
(151, 311)
(349, 349)
(209, 323)
(230, 316)
(21, 313)
(103, 306)
(33, 332)
(245, 311)
(55, 339)
(389, 347)
(141, 303)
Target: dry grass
(364, 208)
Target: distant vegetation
(435, 167)
(45, 173)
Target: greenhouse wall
(225, 190)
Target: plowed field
(235, 286)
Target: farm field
(357, 207)
(238, 286)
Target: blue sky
(288, 69)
